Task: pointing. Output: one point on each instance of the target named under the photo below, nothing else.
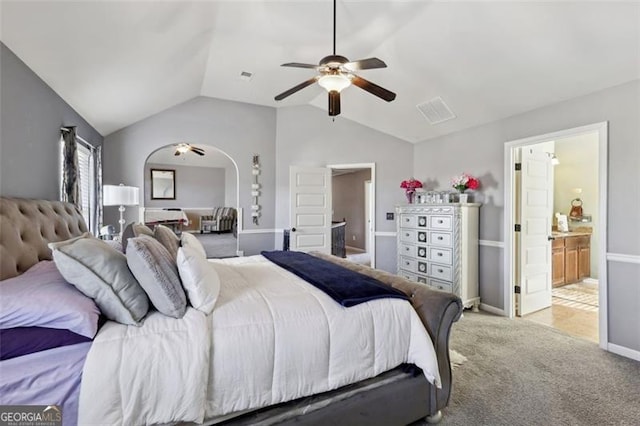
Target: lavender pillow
(41, 297)
(27, 340)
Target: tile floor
(574, 310)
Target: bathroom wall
(578, 169)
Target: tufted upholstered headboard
(26, 226)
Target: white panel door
(310, 189)
(536, 211)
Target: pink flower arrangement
(410, 185)
(465, 181)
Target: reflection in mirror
(163, 184)
(205, 196)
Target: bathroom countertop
(557, 234)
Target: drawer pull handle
(439, 221)
(406, 235)
(440, 287)
(439, 254)
(440, 238)
(407, 263)
(440, 270)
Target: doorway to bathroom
(556, 230)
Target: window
(86, 180)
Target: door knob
(551, 238)
(293, 229)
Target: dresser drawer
(408, 264)
(444, 239)
(441, 285)
(407, 250)
(440, 272)
(408, 235)
(422, 252)
(422, 221)
(422, 267)
(408, 221)
(408, 275)
(441, 222)
(440, 255)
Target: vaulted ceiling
(119, 62)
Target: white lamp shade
(120, 195)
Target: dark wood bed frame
(397, 397)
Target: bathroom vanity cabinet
(571, 257)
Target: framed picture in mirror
(163, 184)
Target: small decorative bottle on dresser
(438, 247)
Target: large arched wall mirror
(204, 195)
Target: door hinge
(517, 289)
(517, 227)
(518, 166)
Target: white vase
(463, 198)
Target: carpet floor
(521, 373)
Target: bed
(387, 392)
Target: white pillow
(199, 279)
(189, 240)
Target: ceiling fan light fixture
(182, 148)
(334, 82)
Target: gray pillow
(157, 272)
(134, 230)
(168, 239)
(101, 273)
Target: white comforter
(271, 338)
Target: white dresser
(438, 246)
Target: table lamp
(120, 195)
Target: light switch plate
(389, 216)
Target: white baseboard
(621, 350)
(493, 310)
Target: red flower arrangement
(411, 185)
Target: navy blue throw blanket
(345, 286)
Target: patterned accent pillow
(101, 273)
(191, 241)
(157, 272)
(168, 239)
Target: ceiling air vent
(246, 75)
(436, 111)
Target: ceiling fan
(336, 73)
(184, 147)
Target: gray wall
(195, 186)
(480, 151)
(347, 194)
(239, 130)
(31, 115)
(308, 137)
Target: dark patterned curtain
(97, 220)
(69, 185)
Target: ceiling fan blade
(299, 65)
(365, 64)
(293, 90)
(197, 152)
(176, 153)
(373, 88)
(334, 103)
